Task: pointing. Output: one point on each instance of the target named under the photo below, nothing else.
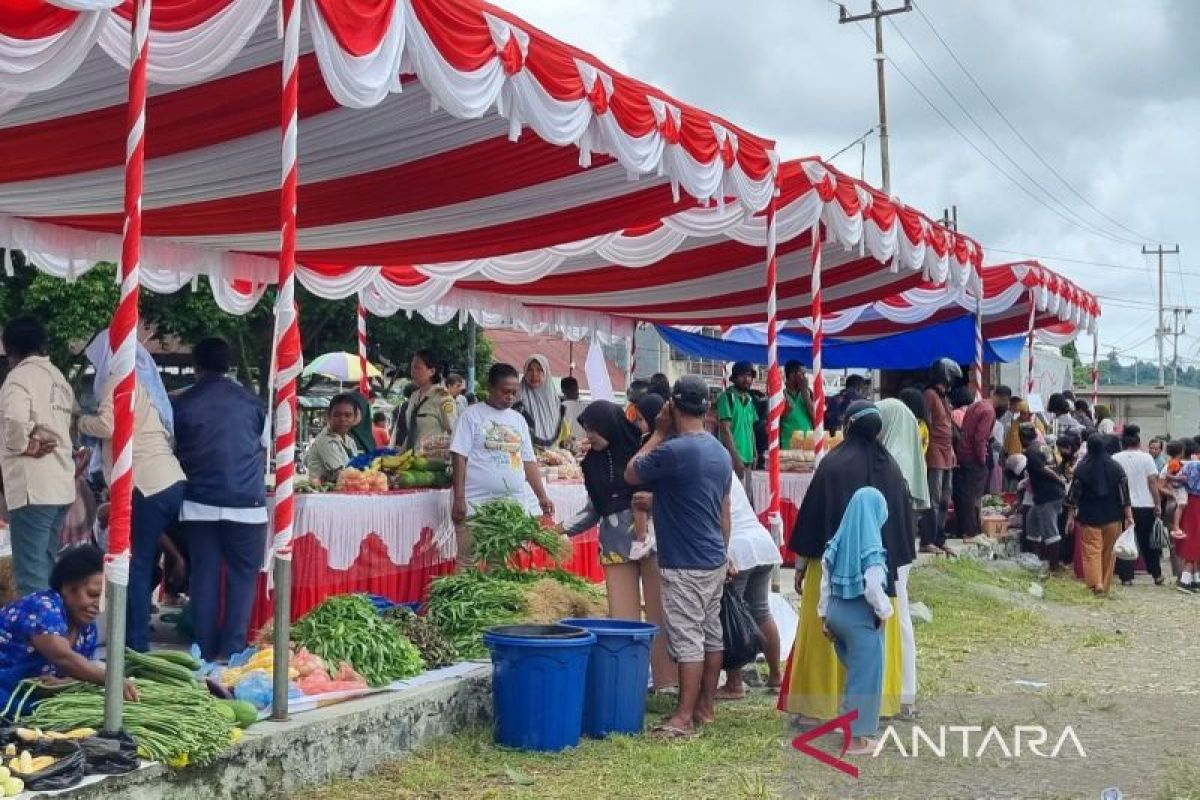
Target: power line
(1018, 134)
(1085, 224)
(971, 143)
(1145, 268)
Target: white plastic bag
(1126, 547)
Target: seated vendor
(53, 633)
(333, 447)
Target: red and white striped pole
(1029, 341)
(122, 341)
(364, 384)
(1095, 368)
(288, 358)
(774, 390)
(978, 366)
(818, 335)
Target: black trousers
(969, 482)
(1143, 525)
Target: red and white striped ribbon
(818, 336)
(1029, 342)
(364, 385)
(122, 334)
(289, 360)
(978, 365)
(1095, 367)
(774, 383)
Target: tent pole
(290, 362)
(471, 335)
(364, 383)
(818, 337)
(122, 340)
(1029, 342)
(774, 394)
(1095, 366)
(979, 335)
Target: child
(1187, 548)
(1173, 483)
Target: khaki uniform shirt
(328, 453)
(155, 467)
(36, 400)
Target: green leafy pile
(436, 650)
(349, 628)
(464, 605)
(501, 528)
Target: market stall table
(793, 485)
(393, 545)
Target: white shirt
(875, 577)
(199, 512)
(1106, 426)
(1139, 467)
(496, 445)
(750, 544)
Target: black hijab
(1098, 472)
(604, 470)
(859, 461)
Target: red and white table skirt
(392, 545)
(792, 486)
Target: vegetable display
(162, 666)
(175, 724)
(348, 628)
(501, 528)
(464, 605)
(436, 650)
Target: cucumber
(224, 709)
(244, 712)
(179, 657)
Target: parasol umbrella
(341, 367)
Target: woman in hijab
(647, 411)
(363, 431)
(854, 606)
(902, 439)
(912, 397)
(1099, 501)
(630, 568)
(1104, 420)
(538, 402)
(158, 480)
(813, 681)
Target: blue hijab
(857, 545)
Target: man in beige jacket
(35, 456)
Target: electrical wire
(1087, 262)
(1084, 223)
(859, 140)
(899, 71)
(1017, 133)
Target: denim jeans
(240, 548)
(34, 531)
(151, 516)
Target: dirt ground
(1123, 673)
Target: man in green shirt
(798, 404)
(737, 415)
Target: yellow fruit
(13, 787)
(178, 762)
(235, 735)
(80, 733)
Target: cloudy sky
(1106, 91)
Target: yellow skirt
(813, 683)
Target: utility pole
(1161, 331)
(877, 14)
(1177, 330)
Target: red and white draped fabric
(364, 383)
(123, 331)
(818, 334)
(434, 131)
(774, 383)
(977, 367)
(1032, 327)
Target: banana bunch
(398, 463)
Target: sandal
(866, 748)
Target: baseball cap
(690, 394)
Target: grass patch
(740, 757)
(1104, 639)
(1183, 780)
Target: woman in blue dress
(52, 634)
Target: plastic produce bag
(64, 773)
(254, 688)
(741, 635)
(1126, 547)
(110, 754)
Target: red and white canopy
(1063, 309)
(401, 159)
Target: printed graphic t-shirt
(496, 444)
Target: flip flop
(669, 733)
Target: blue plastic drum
(617, 675)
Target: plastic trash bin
(617, 675)
(538, 677)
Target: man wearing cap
(689, 472)
(855, 389)
(737, 416)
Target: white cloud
(1107, 92)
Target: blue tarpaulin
(912, 349)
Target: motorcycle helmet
(944, 371)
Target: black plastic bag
(110, 753)
(743, 641)
(64, 773)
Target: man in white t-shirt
(493, 457)
(1142, 474)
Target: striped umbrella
(341, 367)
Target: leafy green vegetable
(349, 628)
(436, 649)
(464, 605)
(501, 528)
